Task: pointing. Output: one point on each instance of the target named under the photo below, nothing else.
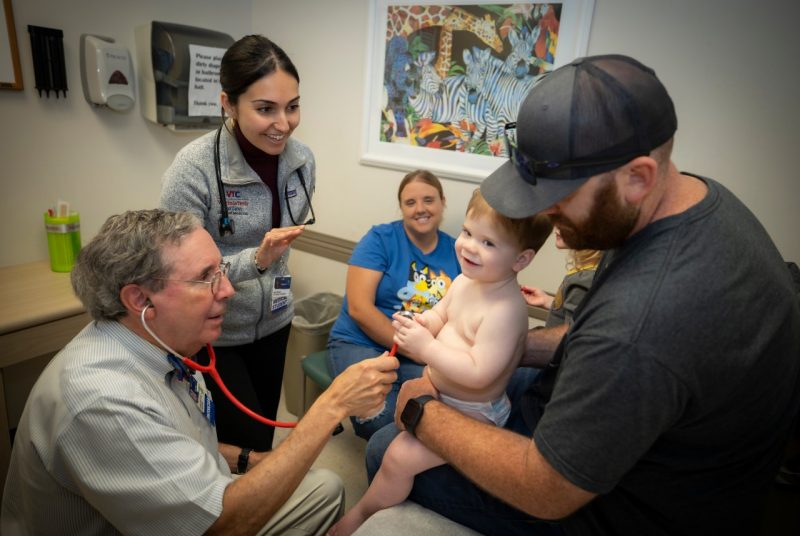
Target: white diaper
(496, 411)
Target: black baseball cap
(585, 118)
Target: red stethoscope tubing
(211, 370)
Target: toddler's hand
(411, 335)
(536, 297)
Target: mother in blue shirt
(405, 265)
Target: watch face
(411, 413)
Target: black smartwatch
(244, 459)
(412, 413)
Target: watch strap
(244, 460)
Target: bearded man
(666, 406)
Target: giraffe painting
(405, 20)
(461, 20)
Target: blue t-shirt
(412, 280)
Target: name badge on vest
(281, 292)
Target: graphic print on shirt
(424, 289)
(238, 203)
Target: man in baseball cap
(584, 121)
(666, 407)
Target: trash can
(313, 318)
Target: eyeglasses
(213, 282)
(313, 218)
(530, 169)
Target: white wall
(101, 161)
(731, 67)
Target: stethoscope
(226, 225)
(211, 370)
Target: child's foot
(347, 525)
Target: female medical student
(251, 183)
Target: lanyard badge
(203, 399)
(198, 392)
(280, 292)
(281, 289)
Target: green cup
(63, 240)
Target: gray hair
(126, 250)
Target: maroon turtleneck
(266, 166)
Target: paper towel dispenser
(179, 74)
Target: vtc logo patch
(237, 202)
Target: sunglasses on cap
(529, 169)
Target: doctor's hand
(362, 388)
(275, 243)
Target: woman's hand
(536, 297)
(275, 243)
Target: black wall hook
(47, 46)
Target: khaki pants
(316, 504)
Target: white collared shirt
(110, 441)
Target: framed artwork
(444, 79)
(10, 71)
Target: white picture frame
(383, 142)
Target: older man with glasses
(114, 438)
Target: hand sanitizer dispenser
(106, 73)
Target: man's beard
(609, 223)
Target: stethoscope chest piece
(226, 226)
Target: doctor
(112, 438)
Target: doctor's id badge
(280, 292)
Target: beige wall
(730, 66)
(101, 161)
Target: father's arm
(541, 344)
(251, 500)
(505, 464)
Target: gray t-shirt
(679, 379)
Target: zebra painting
(518, 61)
(441, 101)
(434, 99)
(496, 94)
